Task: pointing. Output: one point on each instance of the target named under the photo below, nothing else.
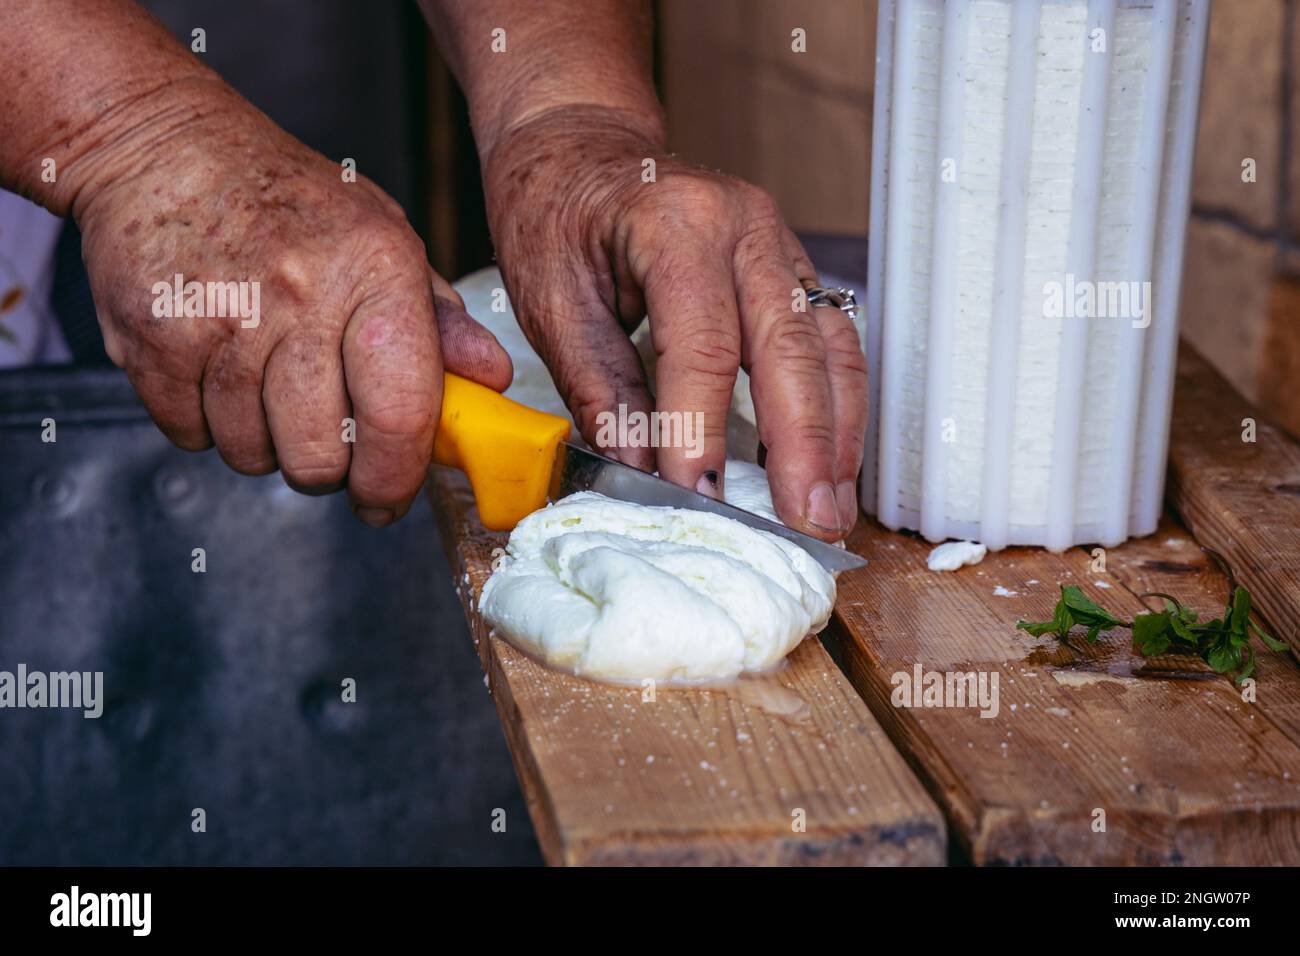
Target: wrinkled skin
(347, 329)
(168, 170)
(587, 248)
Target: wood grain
(1185, 771)
(697, 776)
(1241, 498)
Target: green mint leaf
(1150, 633)
(1182, 627)
(1248, 669)
(1223, 643)
(1085, 610)
(1224, 656)
(1060, 624)
(1240, 610)
(1039, 628)
(1269, 640)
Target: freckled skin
(587, 247)
(168, 170)
(347, 326)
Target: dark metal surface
(223, 689)
(577, 469)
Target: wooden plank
(697, 776)
(1185, 771)
(1241, 498)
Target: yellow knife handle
(505, 448)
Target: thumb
(468, 348)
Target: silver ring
(842, 299)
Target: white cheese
(952, 555)
(621, 592)
(625, 592)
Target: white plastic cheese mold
(1031, 179)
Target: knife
(518, 458)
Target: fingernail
(847, 498)
(376, 517)
(708, 484)
(822, 510)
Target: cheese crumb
(952, 555)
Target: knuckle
(713, 352)
(706, 195)
(393, 329)
(400, 414)
(759, 238)
(695, 202)
(395, 250)
(759, 203)
(797, 346)
(809, 431)
(295, 275)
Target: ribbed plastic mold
(1031, 180)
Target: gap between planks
(1184, 770)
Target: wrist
(558, 149)
(639, 128)
(567, 150)
(93, 82)
(623, 101)
(157, 127)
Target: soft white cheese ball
(625, 592)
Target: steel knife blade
(579, 469)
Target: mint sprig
(1223, 643)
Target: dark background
(223, 688)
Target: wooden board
(1241, 498)
(695, 776)
(1184, 770)
(1095, 756)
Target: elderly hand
(346, 326)
(588, 247)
